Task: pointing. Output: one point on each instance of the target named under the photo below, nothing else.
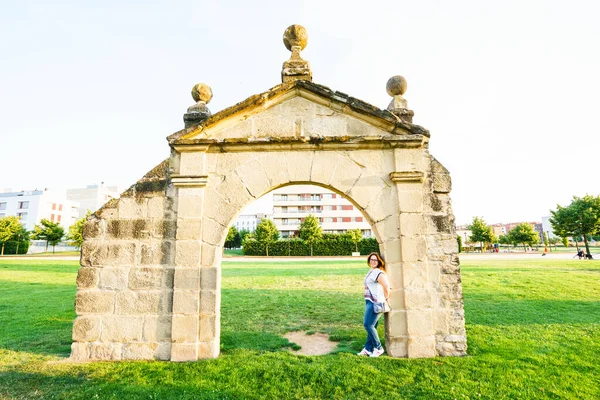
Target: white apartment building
(248, 222)
(34, 205)
(93, 197)
(291, 204)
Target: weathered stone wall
(124, 285)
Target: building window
(284, 209)
(22, 216)
(348, 207)
(358, 219)
(58, 218)
(60, 207)
(23, 205)
(52, 217)
(316, 197)
(53, 206)
(284, 221)
(2, 206)
(346, 219)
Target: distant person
(377, 290)
(580, 254)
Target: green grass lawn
(533, 330)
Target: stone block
(233, 192)
(86, 329)
(208, 349)
(139, 351)
(121, 254)
(139, 302)
(396, 299)
(396, 346)
(211, 255)
(156, 207)
(392, 251)
(421, 347)
(345, 174)
(157, 328)
(419, 322)
(208, 302)
(323, 167)
(105, 351)
(155, 252)
(299, 165)
(369, 187)
(87, 278)
(213, 232)
(413, 248)
(416, 275)
(122, 328)
(185, 329)
(418, 299)
(218, 208)
(114, 278)
(410, 159)
(187, 253)
(190, 206)
(210, 279)
(412, 224)
(384, 205)
(226, 163)
(146, 278)
(80, 352)
(254, 178)
(163, 352)
(395, 275)
(189, 228)
(396, 323)
(275, 167)
(94, 302)
(376, 162)
(207, 328)
(192, 163)
(93, 254)
(133, 208)
(187, 278)
(94, 228)
(410, 197)
(181, 352)
(388, 228)
(163, 229)
(441, 321)
(186, 301)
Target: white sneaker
(377, 352)
(364, 352)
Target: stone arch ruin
(150, 276)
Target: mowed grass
(533, 330)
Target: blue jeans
(370, 323)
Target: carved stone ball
(396, 85)
(202, 92)
(295, 35)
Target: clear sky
(509, 90)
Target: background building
(248, 222)
(291, 204)
(92, 197)
(34, 205)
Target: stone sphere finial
(202, 92)
(396, 86)
(295, 35)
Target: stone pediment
(299, 111)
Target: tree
(355, 236)
(459, 241)
(244, 234)
(233, 237)
(580, 218)
(75, 235)
(565, 241)
(49, 231)
(481, 233)
(546, 240)
(524, 234)
(504, 239)
(310, 231)
(10, 227)
(266, 233)
(554, 241)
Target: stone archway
(149, 282)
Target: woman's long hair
(380, 263)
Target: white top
(373, 289)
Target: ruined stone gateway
(149, 286)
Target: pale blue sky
(509, 90)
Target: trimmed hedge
(10, 247)
(329, 245)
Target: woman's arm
(385, 284)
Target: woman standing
(377, 289)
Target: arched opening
(265, 298)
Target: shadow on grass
(527, 312)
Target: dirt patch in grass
(316, 344)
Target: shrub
(328, 245)
(10, 247)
